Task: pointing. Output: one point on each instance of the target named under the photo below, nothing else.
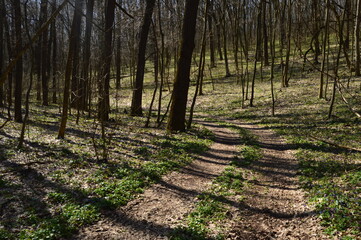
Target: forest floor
(239, 173)
(273, 206)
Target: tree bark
(19, 65)
(136, 108)
(44, 55)
(68, 69)
(177, 113)
(104, 102)
(85, 88)
(357, 40)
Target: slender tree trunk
(75, 79)
(162, 62)
(8, 74)
(200, 68)
(104, 102)
(68, 68)
(84, 96)
(177, 113)
(44, 56)
(324, 48)
(341, 24)
(288, 52)
(219, 38)
(2, 47)
(224, 30)
(357, 39)
(211, 34)
(19, 65)
(54, 60)
(265, 34)
(316, 30)
(156, 76)
(258, 46)
(136, 108)
(118, 64)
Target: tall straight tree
(87, 54)
(19, 63)
(68, 68)
(177, 113)
(136, 108)
(44, 55)
(104, 102)
(2, 45)
(357, 39)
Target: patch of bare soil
(162, 207)
(274, 206)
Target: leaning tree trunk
(136, 108)
(177, 113)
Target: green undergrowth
(212, 207)
(81, 190)
(334, 188)
(328, 150)
(207, 220)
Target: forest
(180, 119)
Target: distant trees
(84, 65)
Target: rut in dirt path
(274, 206)
(162, 207)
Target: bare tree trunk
(357, 39)
(68, 69)
(104, 102)
(341, 24)
(211, 34)
(54, 56)
(224, 30)
(19, 65)
(177, 113)
(44, 56)
(136, 108)
(2, 47)
(288, 52)
(201, 65)
(258, 45)
(162, 62)
(218, 34)
(324, 47)
(316, 30)
(265, 34)
(85, 83)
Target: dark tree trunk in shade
(104, 102)
(19, 63)
(136, 108)
(177, 113)
(68, 69)
(2, 45)
(75, 79)
(85, 88)
(44, 56)
(211, 34)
